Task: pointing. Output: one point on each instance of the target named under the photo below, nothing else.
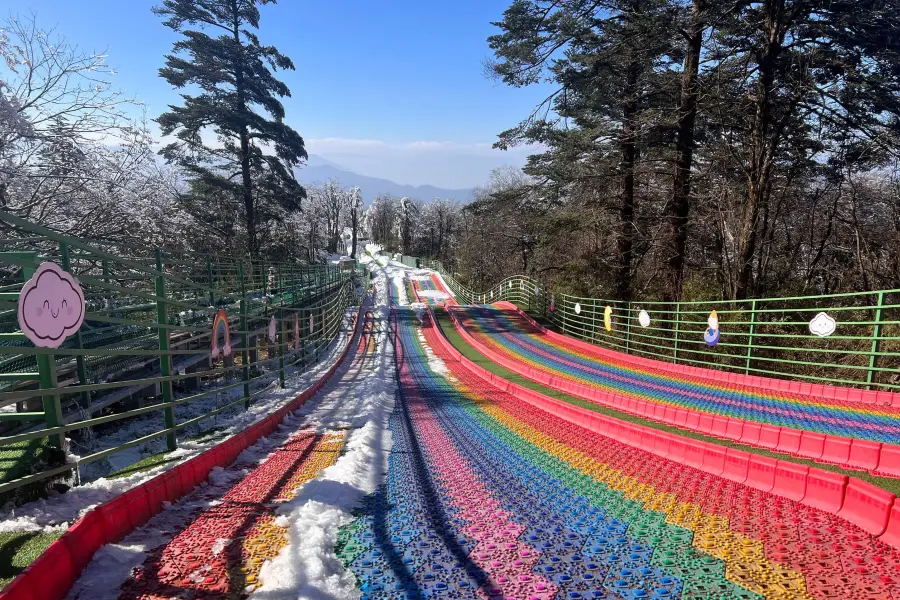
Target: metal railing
(763, 336)
(145, 345)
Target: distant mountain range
(319, 170)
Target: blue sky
(389, 88)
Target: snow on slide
(267, 525)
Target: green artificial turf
(18, 550)
(446, 325)
(161, 458)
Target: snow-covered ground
(359, 397)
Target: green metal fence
(144, 347)
(765, 336)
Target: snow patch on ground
(363, 398)
(113, 563)
(434, 294)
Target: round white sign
(644, 318)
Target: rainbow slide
(490, 497)
(836, 431)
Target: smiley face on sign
(51, 306)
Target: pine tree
(238, 100)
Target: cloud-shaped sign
(822, 325)
(51, 306)
(577, 308)
(644, 318)
(607, 318)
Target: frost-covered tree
(238, 100)
(72, 155)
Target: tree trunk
(247, 192)
(354, 219)
(678, 209)
(628, 146)
(762, 151)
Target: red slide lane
(54, 572)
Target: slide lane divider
(865, 505)
(54, 572)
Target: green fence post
(876, 341)
(750, 337)
(628, 327)
(245, 339)
(165, 359)
(209, 278)
(79, 342)
(677, 325)
(281, 336)
(265, 277)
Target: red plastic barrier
(825, 490)
(812, 445)
(681, 416)
(836, 450)
(734, 429)
(669, 414)
(790, 480)
(713, 459)
(891, 535)
(693, 454)
(864, 455)
(737, 463)
(720, 426)
(889, 461)
(706, 423)
(768, 436)
(761, 472)
(750, 433)
(693, 420)
(677, 448)
(867, 506)
(788, 440)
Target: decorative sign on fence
(273, 329)
(644, 318)
(553, 302)
(822, 325)
(221, 335)
(51, 306)
(577, 308)
(296, 331)
(711, 335)
(311, 323)
(607, 318)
